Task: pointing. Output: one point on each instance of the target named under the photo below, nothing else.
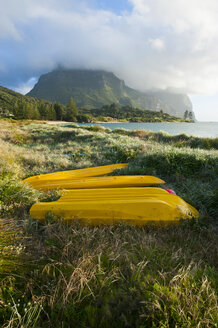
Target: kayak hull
(110, 193)
(76, 174)
(98, 182)
(159, 208)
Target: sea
(198, 129)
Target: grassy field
(59, 275)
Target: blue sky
(117, 6)
(150, 44)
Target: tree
(35, 115)
(186, 115)
(71, 111)
(46, 112)
(20, 109)
(84, 118)
(114, 108)
(42, 110)
(28, 111)
(50, 114)
(59, 110)
(190, 115)
(16, 109)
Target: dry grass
(127, 277)
(121, 276)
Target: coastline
(198, 129)
(119, 122)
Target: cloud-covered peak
(157, 44)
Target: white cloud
(159, 44)
(7, 29)
(25, 87)
(140, 7)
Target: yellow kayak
(110, 193)
(157, 206)
(75, 174)
(98, 182)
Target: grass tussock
(180, 141)
(125, 277)
(58, 275)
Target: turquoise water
(199, 129)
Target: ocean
(198, 129)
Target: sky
(150, 44)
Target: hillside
(96, 88)
(15, 105)
(125, 113)
(8, 98)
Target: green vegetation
(16, 106)
(59, 275)
(72, 111)
(180, 140)
(125, 114)
(96, 88)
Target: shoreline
(172, 128)
(102, 122)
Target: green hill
(15, 105)
(113, 112)
(8, 98)
(96, 88)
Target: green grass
(59, 275)
(180, 141)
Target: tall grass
(121, 276)
(181, 140)
(127, 277)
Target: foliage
(20, 107)
(128, 113)
(71, 111)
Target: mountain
(178, 102)
(96, 88)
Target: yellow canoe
(159, 206)
(98, 182)
(76, 174)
